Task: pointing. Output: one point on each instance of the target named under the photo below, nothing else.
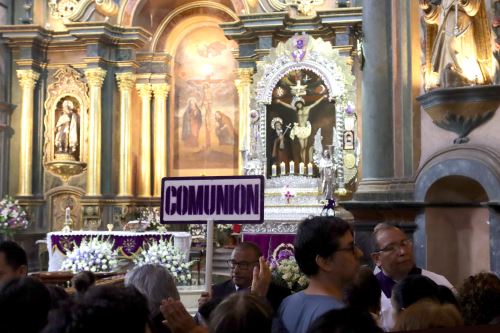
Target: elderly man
(393, 255)
(243, 260)
(326, 253)
(13, 262)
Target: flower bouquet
(12, 216)
(285, 270)
(164, 253)
(94, 255)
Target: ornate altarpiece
(319, 57)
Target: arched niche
(458, 232)
(464, 230)
(65, 124)
(303, 53)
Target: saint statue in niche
(461, 51)
(67, 130)
(281, 146)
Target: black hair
(250, 246)
(83, 281)
(364, 292)
(103, 309)
(412, 289)
(318, 236)
(15, 256)
(346, 320)
(24, 306)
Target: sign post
(232, 199)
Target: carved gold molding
(73, 10)
(67, 85)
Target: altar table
(126, 242)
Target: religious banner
(235, 199)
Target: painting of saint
(299, 99)
(191, 123)
(204, 120)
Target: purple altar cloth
(268, 242)
(127, 243)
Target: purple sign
(232, 199)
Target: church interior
(375, 111)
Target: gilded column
(144, 90)
(126, 82)
(160, 91)
(95, 78)
(27, 81)
(243, 84)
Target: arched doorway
(457, 237)
(458, 231)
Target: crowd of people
(341, 296)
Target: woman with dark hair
(479, 299)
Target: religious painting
(205, 106)
(300, 107)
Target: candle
(282, 169)
(292, 167)
(309, 169)
(273, 170)
(301, 168)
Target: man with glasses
(244, 258)
(393, 256)
(326, 253)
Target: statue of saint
(281, 147)
(302, 129)
(66, 131)
(326, 172)
(459, 38)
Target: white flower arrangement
(164, 253)
(93, 254)
(285, 270)
(224, 227)
(12, 216)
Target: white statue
(66, 140)
(327, 167)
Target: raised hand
(261, 278)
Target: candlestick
(273, 170)
(309, 169)
(282, 169)
(301, 168)
(292, 167)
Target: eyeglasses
(396, 247)
(242, 264)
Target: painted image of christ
(204, 104)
